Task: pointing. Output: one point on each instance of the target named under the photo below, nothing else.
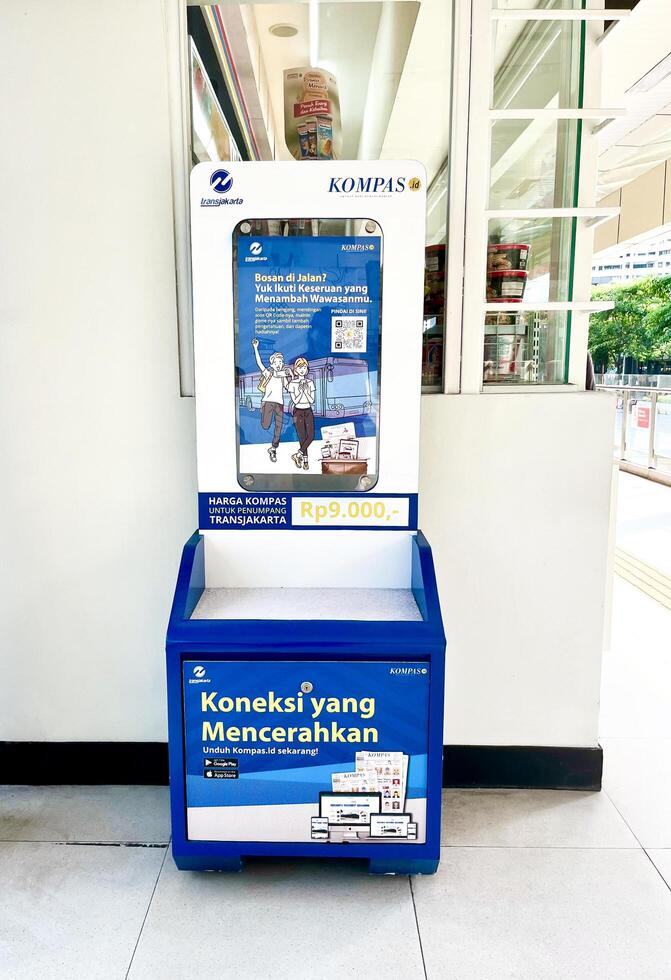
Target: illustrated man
(273, 382)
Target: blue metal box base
(387, 866)
(333, 641)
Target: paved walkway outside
(644, 520)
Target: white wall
(98, 485)
(98, 461)
(515, 496)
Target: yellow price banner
(350, 511)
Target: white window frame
(472, 115)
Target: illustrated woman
(302, 392)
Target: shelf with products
(525, 348)
(433, 336)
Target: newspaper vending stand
(305, 649)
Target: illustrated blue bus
(342, 388)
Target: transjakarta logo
(373, 185)
(221, 182)
(408, 670)
(255, 253)
(199, 676)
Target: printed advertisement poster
(307, 360)
(312, 128)
(329, 752)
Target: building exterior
(627, 263)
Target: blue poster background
(401, 718)
(297, 322)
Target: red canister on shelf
(506, 256)
(506, 286)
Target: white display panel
(390, 197)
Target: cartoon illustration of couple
(274, 379)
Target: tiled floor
(531, 886)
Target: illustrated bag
(263, 382)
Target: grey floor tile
(532, 818)
(636, 676)
(303, 921)
(661, 858)
(544, 914)
(72, 912)
(85, 813)
(637, 777)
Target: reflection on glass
(525, 348)
(392, 64)
(433, 342)
(436, 207)
(211, 137)
(537, 64)
(537, 4)
(533, 163)
(663, 433)
(529, 260)
(433, 350)
(433, 337)
(637, 437)
(646, 416)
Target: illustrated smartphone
(319, 828)
(307, 296)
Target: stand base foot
(229, 865)
(232, 865)
(410, 867)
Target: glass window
(525, 348)
(537, 4)
(537, 64)
(433, 337)
(391, 67)
(211, 137)
(533, 163)
(529, 261)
